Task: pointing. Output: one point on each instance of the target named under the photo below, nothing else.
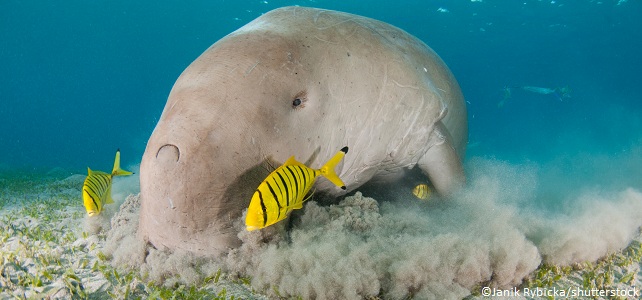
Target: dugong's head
(254, 95)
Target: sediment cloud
(496, 232)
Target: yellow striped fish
(96, 191)
(284, 190)
(421, 191)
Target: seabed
(48, 252)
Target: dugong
(295, 81)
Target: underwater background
(553, 179)
(79, 79)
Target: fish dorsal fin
(292, 162)
(88, 171)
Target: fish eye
(296, 102)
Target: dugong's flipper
(442, 164)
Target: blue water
(79, 79)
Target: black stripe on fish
(95, 179)
(292, 180)
(91, 182)
(287, 192)
(98, 190)
(305, 178)
(263, 208)
(313, 174)
(310, 173)
(297, 177)
(104, 180)
(291, 185)
(93, 186)
(296, 182)
(93, 200)
(276, 198)
(97, 184)
(299, 171)
(281, 194)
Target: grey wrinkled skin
(360, 82)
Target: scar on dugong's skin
(303, 82)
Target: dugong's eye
(299, 100)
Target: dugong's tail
(328, 169)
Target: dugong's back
(348, 33)
(303, 82)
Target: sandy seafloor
(50, 249)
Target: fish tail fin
(117, 171)
(328, 169)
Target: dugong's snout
(163, 197)
(184, 193)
